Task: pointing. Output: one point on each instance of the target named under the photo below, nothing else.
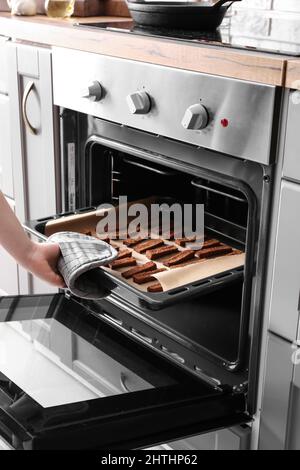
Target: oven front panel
(239, 114)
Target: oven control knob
(93, 91)
(139, 102)
(195, 118)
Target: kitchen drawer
(236, 438)
(93, 364)
(284, 312)
(3, 65)
(37, 285)
(203, 442)
(117, 377)
(8, 269)
(293, 431)
(6, 169)
(275, 406)
(291, 166)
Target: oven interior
(215, 323)
(110, 174)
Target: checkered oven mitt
(80, 255)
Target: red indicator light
(225, 122)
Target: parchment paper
(177, 277)
(201, 270)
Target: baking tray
(155, 301)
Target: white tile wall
(256, 4)
(270, 20)
(280, 32)
(269, 5)
(252, 24)
(287, 5)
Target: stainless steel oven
(136, 369)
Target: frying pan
(196, 15)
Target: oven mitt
(80, 256)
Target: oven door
(70, 381)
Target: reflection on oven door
(70, 381)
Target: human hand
(41, 260)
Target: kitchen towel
(81, 255)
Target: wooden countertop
(254, 66)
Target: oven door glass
(70, 381)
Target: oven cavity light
(224, 122)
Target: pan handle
(223, 2)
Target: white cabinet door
(275, 405)
(6, 177)
(34, 147)
(237, 438)
(6, 172)
(3, 65)
(291, 164)
(8, 269)
(284, 315)
(38, 286)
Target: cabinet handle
(29, 87)
(123, 379)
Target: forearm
(12, 236)
(38, 258)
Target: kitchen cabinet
(8, 269)
(33, 148)
(293, 431)
(291, 165)
(6, 174)
(93, 365)
(236, 438)
(3, 65)
(278, 379)
(4, 445)
(284, 307)
(36, 285)
(280, 417)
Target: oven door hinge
(68, 294)
(241, 388)
(235, 389)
